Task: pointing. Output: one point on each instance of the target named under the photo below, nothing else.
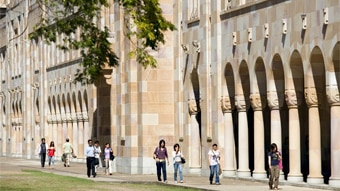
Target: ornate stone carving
(74, 117)
(85, 116)
(58, 117)
(311, 97)
(225, 104)
(80, 116)
(273, 100)
(333, 95)
(255, 100)
(68, 117)
(240, 103)
(54, 118)
(291, 99)
(192, 107)
(63, 117)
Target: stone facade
(242, 74)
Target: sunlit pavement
(200, 182)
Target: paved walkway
(200, 182)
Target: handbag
(74, 155)
(219, 169)
(112, 157)
(280, 164)
(96, 161)
(182, 160)
(63, 157)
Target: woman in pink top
(108, 162)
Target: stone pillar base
(295, 178)
(334, 183)
(314, 180)
(229, 173)
(243, 173)
(259, 175)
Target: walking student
(214, 160)
(161, 156)
(89, 154)
(68, 150)
(97, 152)
(177, 158)
(51, 153)
(108, 161)
(42, 151)
(274, 156)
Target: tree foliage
(75, 22)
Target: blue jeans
(50, 160)
(214, 170)
(178, 166)
(161, 165)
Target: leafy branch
(75, 21)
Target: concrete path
(200, 182)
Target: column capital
(225, 104)
(192, 107)
(291, 99)
(240, 103)
(273, 100)
(333, 95)
(255, 100)
(311, 97)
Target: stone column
(194, 138)
(229, 166)
(243, 156)
(314, 137)
(259, 152)
(334, 102)
(294, 138)
(275, 122)
(75, 129)
(80, 151)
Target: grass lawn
(31, 180)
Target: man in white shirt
(89, 153)
(214, 160)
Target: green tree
(75, 19)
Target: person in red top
(51, 153)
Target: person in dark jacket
(42, 151)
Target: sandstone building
(239, 73)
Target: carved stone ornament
(192, 107)
(240, 103)
(255, 100)
(333, 95)
(225, 104)
(68, 117)
(311, 97)
(273, 100)
(291, 99)
(74, 117)
(85, 116)
(58, 116)
(80, 116)
(63, 117)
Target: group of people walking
(50, 150)
(93, 160)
